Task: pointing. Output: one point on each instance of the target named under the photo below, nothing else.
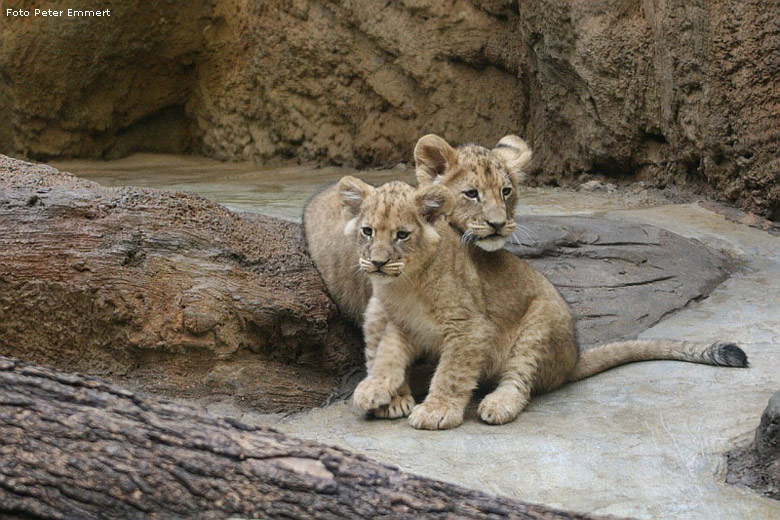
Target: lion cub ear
(516, 155)
(432, 156)
(352, 192)
(433, 202)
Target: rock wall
(99, 86)
(683, 92)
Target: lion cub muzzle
(382, 267)
(490, 236)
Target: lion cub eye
(402, 235)
(367, 231)
(471, 194)
(506, 191)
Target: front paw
(435, 416)
(496, 408)
(400, 406)
(371, 394)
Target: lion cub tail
(603, 357)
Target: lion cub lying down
(484, 315)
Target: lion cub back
(334, 255)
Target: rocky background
(669, 92)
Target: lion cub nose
(379, 263)
(496, 225)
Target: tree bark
(79, 447)
(166, 291)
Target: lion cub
(485, 316)
(484, 182)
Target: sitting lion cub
(486, 316)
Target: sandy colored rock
(99, 86)
(668, 92)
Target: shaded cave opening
(167, 130)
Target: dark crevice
(614, 167)
(655, 137)
(167, 130)
(619, 285)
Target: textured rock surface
(757, 465)
(619, 277)
(164, 290)
(682, 92)
(99, 86)
(768, 432)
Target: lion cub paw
(496, 409)
(400, 406)
(371, 394)
(435, 416)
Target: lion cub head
(395, 226)
(483, 181)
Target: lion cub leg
(401, 404)
(374, 330)
(541, 354)
(453, 382)
(386, 374)
(512, 394)
(374, 324)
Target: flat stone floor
(644, 440)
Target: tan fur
(485, 316)
(459, 169)
(331, 252)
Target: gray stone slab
(620, 277)
(757, 465)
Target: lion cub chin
(484, 315)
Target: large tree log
(166, 290)
(78, 447)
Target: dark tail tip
(727, 355)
